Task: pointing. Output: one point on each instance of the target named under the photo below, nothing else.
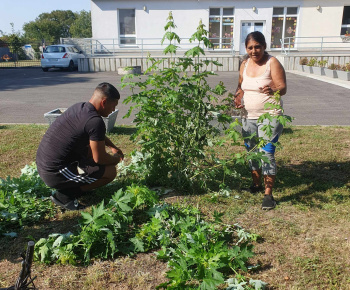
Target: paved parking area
(26, 94)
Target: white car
(60, 56)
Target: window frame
(222, 16)
(126, 36)
(346, 26)
(285, 15)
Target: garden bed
(302, 238)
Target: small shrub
(334, 66)
(303, 61)
(345, 67)
(322, 63)
(312, 62)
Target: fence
(318, 45)
(28, 55)
(142, 46)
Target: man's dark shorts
(74, 175)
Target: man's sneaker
(70, 205)
(268, 202)
(254, 189)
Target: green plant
(23, 200)
(198, 252)
(103, 232)
(303, 61)
(345, 67)
(175, 111)
(322, 63)
(334, 66)
(312, 62)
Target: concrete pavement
(26, 94)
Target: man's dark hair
(256, 36)
(109, 91)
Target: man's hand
(116, 151)
(118, 156)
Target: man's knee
(110, 172)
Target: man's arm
(100, 156)
(113, 148)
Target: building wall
(325, 21)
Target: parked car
(60, 56)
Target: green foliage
(197, 251)
(58, 23)
(23, 200)
(239, 283)
(81, 27)
(175, 112)
(103, 233)
(334, 66)
(312, 62)
(322, 63)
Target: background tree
(81, 28)
(50, 26)
(15, 45)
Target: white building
(131, 23)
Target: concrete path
(26, 94)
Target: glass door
(246, 28)
(127, 31)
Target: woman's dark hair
(109, 91)
(256, 36)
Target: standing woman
(260, 76)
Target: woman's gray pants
(251, 126)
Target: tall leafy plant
(175, 110)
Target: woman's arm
(239, 92)
(278, 77)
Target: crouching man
(72, 155)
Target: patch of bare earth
(142, 272)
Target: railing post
(282, 46)
(289, 45)
(232, 50)
(142, 48)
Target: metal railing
(26, 55)
(143, 46)
(315, 44)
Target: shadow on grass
(309, 183)
(123, 130)
(11, 248)
(287, 131)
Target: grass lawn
(305, 241)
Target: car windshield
(53, 49)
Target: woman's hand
(267, 90)
(238, 99)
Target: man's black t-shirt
(67, 139)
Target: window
(221, 27)
(127, 26)
(345, 27)
(284, 23)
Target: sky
(21, 11)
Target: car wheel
(71, 66)
(45, 69)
